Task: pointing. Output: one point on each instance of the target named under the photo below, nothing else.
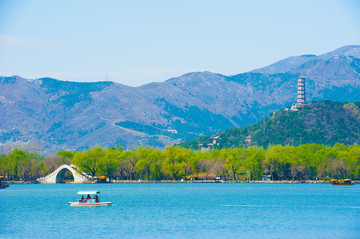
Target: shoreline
(198, 181)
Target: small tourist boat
(89, 199)
(2, 184)
(341, 182)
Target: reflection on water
(183, 211)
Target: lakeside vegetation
(307, 161)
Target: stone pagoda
(301, 98)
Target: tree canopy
(307, 161)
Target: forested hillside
(324, 122)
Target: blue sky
(137, 42)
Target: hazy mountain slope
(323, 122)
(294, 62)
(70, 115)
(285, 65)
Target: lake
(182, 210)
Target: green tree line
(307, 161)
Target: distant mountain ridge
(294, 62)
(71, 115)
(324, 122)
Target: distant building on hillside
(301, 96)
(214, 139)
(248, 139)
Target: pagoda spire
(301, 97)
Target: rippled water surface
(175, 210)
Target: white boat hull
(84, 204)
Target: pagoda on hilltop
(301, 98)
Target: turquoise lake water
(182, 210)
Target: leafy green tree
(19, 163)
(254, 161)
(142, 167)
(312, 172)
(110, 161)
(175, 158)
(29, 165)
(234, 161)
(147, 162)
(90, 161)
(278, 161)
(354, 161)
(128, 162)
(14, 163)
(157, 158)
(66, 156)
(3, 166)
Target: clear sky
(136, 42)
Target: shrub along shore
(286, 164)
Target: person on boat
(96, 198)
(88, 197)
(82, 199)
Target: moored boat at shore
(341, 182)
(2, 184)
(92, 200)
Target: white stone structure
(301, 95)
(58, 175)
(301, 98)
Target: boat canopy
(343, 180)
(88, 192)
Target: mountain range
(61, 115)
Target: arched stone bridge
(58, 175)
